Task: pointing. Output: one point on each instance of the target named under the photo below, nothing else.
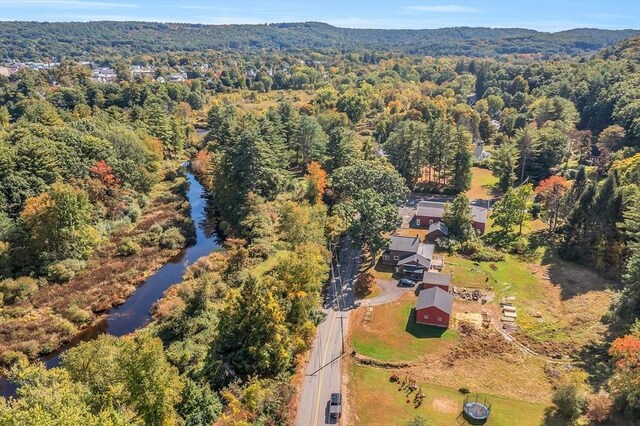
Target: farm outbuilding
(434, 307)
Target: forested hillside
(37, 40)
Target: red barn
(434, 307)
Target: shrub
(172, 238)
(180, 186)
(478, 252)
(133, 212)
(417, 421)
(77, 315)
(9, 358)
(148, 239)
(599, 407)
(569, 399)
(464, 391)
(170, 175)
(63, 271)
(17, 290)
(143, 201)
(128, 248)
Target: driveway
(389, 292)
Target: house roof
(409, 244)
(437, 278)
(435, 297)
(420, 260)
(439, 226)
(430, 209)
(479, 214)
(426, 250)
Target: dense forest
(32, 41)
(295, 158)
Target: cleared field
(374, 400)
(393, 335)
(482, 184)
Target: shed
(434, 307)
(436, 279)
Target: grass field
(376, 401)
(482, 184)
(393, 335)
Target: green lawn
(510, 277)
(393, 335)
(263, 267)
(376, 401)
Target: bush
(170, 175)
(128, 248)
(172, 238)
(599, 407)
(417, 421)
(17, 290)
(9, 358)
(133, 212)
(569, 399)
(364, 283)
(148, 239)
(77, 315)
(143, 201)
(464, 391)
(478, 252)
(64, 271)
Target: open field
(376, 401)
(560, 304)
(393, 335)
(482, 184)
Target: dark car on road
(335, 405)
(404, 282)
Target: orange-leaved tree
(552, 195)
(316, 179)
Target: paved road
(323, 373)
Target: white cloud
(444, 8)
(67, 4)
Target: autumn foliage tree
(316, 179)
(626, 380)
(58, 225)
(552, 192)
(364, 283)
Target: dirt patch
(445, 405)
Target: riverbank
(54, 314)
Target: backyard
(377, 401)
(393, 335)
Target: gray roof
(420, 260)
(439, 226)
(426, 250)
(437, 278)
(430, 208)
(435, 296)
(409, 244)
(479, 214)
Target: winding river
(136, 311)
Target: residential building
(430, 212)
(434, 307)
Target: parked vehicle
(335, 405)
(405, 282)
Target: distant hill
(35, 40)
(626, 49)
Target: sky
(541, 15)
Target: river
(135, 312)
